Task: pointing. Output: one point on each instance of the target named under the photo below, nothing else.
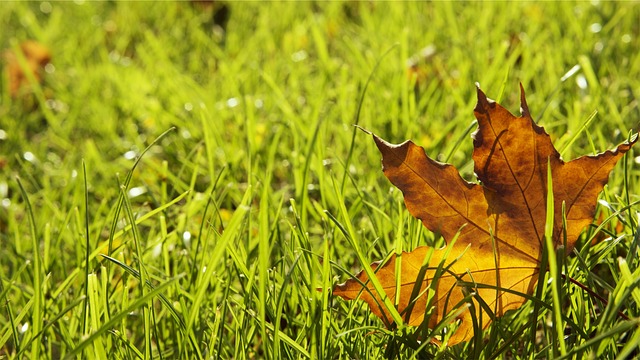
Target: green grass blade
(38, 296)
(142, 270)
(87, 249)
(351, 237)
(577, 134)
(554, 269)
(94, 314)
(115, 318)
(230, 232)
(347, 162)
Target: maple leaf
(499, 224)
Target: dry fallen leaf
(37, 56)
(501, 223)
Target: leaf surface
(499, 222)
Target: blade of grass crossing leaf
(538, 303)
(476, 316)
(398, 251)
(431, 291)
(37, 316)
(533, 298)
(452, 316)
(351, 237)
(494, 333)
(554, 272)
(632, 219)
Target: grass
(222, 166)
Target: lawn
(186, 181)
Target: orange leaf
(37, 56)
(500, 224)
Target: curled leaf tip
(483, 101)
(363, 129)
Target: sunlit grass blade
(142, 270)
(347, 162)
(576, 135)
(602, 337)
(164, 300)
(349, 233)
(9, 330)
(38, 296)
(102, 249)
(554, 269)
(231, 231)
(87, 250)
(115, 318)
(95, 309)
(54, 320)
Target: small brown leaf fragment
(500, 224)
(37, 56)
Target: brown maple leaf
(500, 225)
